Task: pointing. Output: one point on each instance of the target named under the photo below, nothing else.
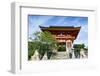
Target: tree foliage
(43, 42)
(77, 47)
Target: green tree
(77, 48)
(44, 42)
(48, 43)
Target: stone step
(60, 55)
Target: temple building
(65, 35)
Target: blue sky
(35, 20)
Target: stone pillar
(73, 55)
(68, 48)
(45, 57)
(35, 56)
(82, 53)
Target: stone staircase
(60, 55)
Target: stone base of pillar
(45, 57)
(35, 56)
